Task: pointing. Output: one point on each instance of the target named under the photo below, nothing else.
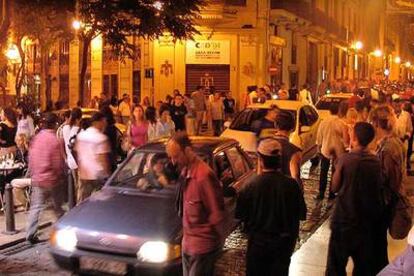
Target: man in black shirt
(358, 209)
(270, 207)
(178, 112)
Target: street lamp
(408, 64)
(397, 60)
(76, 24)
(12, 54)
(358, 45)
(378, 53)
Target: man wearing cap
(270, 207)
(46, 164)
(93, 149)
(124, 108)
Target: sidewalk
(21, 221)
(310, 259)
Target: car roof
(200, 144)
(282, 104)
(338, 95)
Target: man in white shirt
(332, 138)
(404, 126)
(93, 150)
(124, 108)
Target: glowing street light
(407, 64)
(358, 45)
(76, 24)
(378, 53)
(397, 60)
(386, 72)
(12, 53)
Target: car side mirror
(304, 129)
(227, 124)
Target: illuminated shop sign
(208, 52)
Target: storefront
(207, 64)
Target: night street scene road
(207, 137)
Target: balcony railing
(315, 16)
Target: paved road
(28, 260)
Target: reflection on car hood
(113, 221)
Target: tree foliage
(116, 20)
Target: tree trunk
(5, 23)
(21, 74)
(44, 76)
(86, 41)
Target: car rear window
(326, 103)
(245, 119)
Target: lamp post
(357, 46)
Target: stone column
(96, 67)
(74, 72)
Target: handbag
(401, 219)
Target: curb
(15, 242)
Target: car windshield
(150, 172)
(326, 103)
(245, 119)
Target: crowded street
(207, 137)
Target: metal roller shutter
(207, 75)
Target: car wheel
(71, 264)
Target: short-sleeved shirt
(271, 204)
(90, 144)
(199, 101)
(330, 137)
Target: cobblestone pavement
(37, 261)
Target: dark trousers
(196, 265)
(269, 256)
(357, 244)
(323, 178)
(381, 242)
(217, 127)
(409, 151)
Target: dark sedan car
(132, 221)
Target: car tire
(71, 264)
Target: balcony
(216, 11)
(317, 17)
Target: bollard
(71, 190)
(9, 211)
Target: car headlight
(64, 239)
(158, 252)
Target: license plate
(103, 265)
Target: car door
(232, 179)
(308, 124)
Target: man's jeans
(200, 264)
(38, 203)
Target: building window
(136, 85)
(110, 85)
(64, 53)
(114, 84)
(294, 53)
(64, 88)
